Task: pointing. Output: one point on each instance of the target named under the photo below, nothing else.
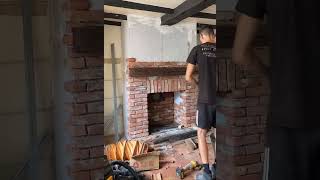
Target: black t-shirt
(294, 33)
(204, 56)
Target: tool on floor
(181, 172)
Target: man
(293, 130)
(203, 56)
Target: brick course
(86, 109)
(240, 139)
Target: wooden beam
(187, 9)
(138, 6)
(205, 15)
(112, 23)
(115, 16)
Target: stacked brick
(138, 89)
(242, 115)
(86, 108)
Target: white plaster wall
(147, 40)
(112, 35)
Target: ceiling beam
(151, 8)
(115, 16)
(112, 23)
(138, 6)
(186, 9)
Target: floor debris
(144, 162)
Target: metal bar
(266, 164)
(115, 16)
(114, 82)
(30, 87)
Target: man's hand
(243, 50)
(189, 72)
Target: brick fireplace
(157, 94)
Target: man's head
(207, 35)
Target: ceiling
(161, 3)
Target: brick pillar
(241, 114)
(86, 125)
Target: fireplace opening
(161, 111)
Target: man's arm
(189, 72)
(243, 50)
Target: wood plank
(186, 9)
(115, 16)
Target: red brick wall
(243, 112)
(86, 109)
(138, 89)
(161, 112)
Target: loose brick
(88, 141)
(96, 129)
(80, 154)
(76, 109)
(88, 74)
(255, 168)
(254, 111)
(243, 140)
(257, 91)
(90, 96)
(254, 148)
(97, 152)
(87, 119)
(95, 107)
(83, 165)
(77, 63)
(94, 62)
(250, 177)
(245, 160)
(75, 86)
(95, 85)
(83, 175)
(97, 174)
(78, 131)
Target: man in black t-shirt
(293, 132)
(203, 56)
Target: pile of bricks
(86, 123)
(242, 114)
(138, 89)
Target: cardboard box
(144, 162)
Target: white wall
(147, 40)
(112, 35)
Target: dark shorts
(294, 154)
(206, 116)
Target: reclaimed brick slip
(79, 4)
(88, 141)
(89, 96)
(80, 154)
(88, 164)
(75, 86)
(78, 130)
(77, 63)
(97, 174)
(82, 175)
(96, 129)
(86, 119)
(95, 107)
(97, 152)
